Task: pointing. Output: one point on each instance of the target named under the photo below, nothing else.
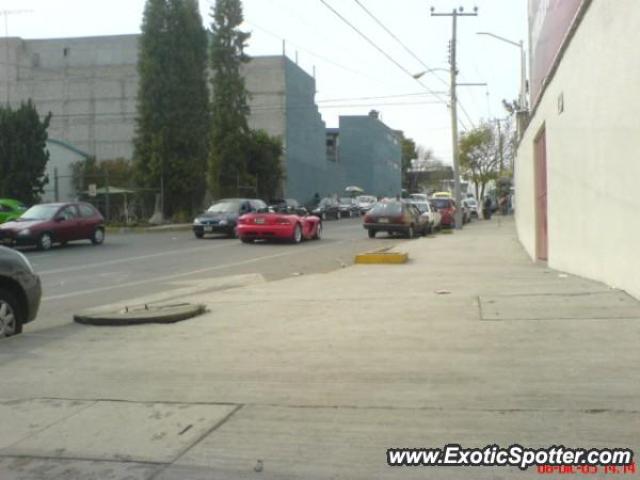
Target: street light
(419, 75)
(522, 101)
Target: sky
(352, 75)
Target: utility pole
(455, 13)
(500, 147)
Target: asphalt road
(130, 265)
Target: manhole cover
(141, 314)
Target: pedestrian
(503, 203)
(486, 208)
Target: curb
(141, 315)
(382, 257)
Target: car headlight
(24, 232)
(196, 221)
(26, 261)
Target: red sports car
(293, 225)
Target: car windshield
(422, 206)
(387, 208)
(441, 202)
(224, 207)
(40, 212)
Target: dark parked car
(395, 217)
(348, 207)
(222, 216)
(284, 203)
(327, 208)
(20, 292)
(48, 223)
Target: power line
(367, 39)
(395, 37)
(419, 94)
(374, 45)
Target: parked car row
(417, 214)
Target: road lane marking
(131, 259)
(186, 274)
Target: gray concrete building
(90, 85)
(368, 154)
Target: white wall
(61, 160)
(592, 152)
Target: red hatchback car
(447, 209)
(289, 224)
(48, 223)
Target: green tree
(171, 144)
(409, 152)
(23, 153)
(230, 133)
(264, 163)
(480, 151)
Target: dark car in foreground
(222, 216)
(48, 223)
(20, 292)
(395, 217)
(327, 208)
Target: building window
(332, 148)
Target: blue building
(368, 154)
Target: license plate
(208, 228)
(383, 220)
(260, 221)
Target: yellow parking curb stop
(382, 257)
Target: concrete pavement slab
(310, 443)
(612, 304)
(24, 468)
(125, 431)
(21, 419)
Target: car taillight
(283, 221)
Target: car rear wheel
(10, 314)
(372, 233)
(199, 234)
(318, 234)
(297, 234)
(98, 236)
(45, 242)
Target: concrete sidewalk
(316, 376)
